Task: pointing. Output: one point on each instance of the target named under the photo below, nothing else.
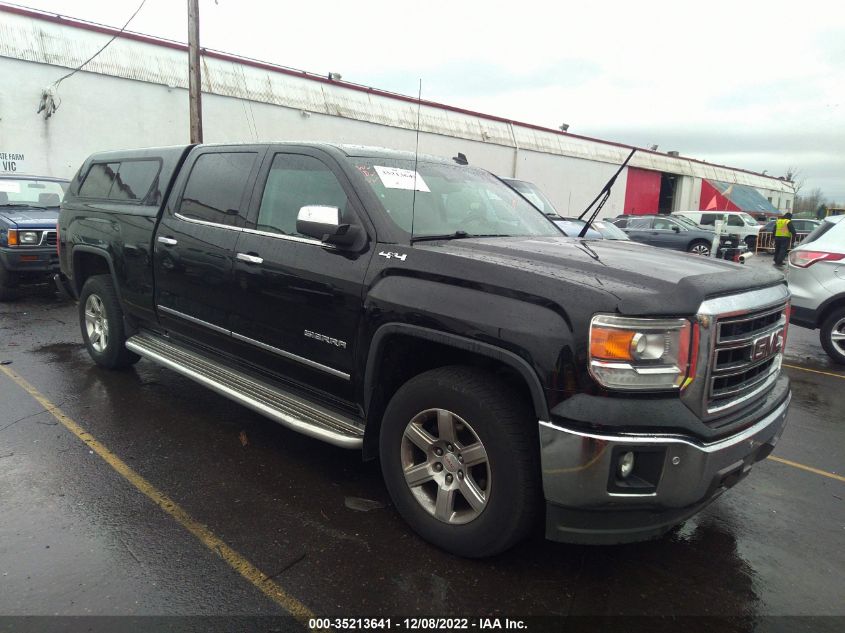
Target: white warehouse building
(134, 94)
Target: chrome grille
(49, 238)
(746, 357)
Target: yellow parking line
(809, 469)
(814, 371)
(237, 562)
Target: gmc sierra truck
(426, 314)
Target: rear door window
(639, 224)
(216, 187)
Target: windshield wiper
(22, 205)
(457, 235)
(603, 196)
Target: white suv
(735, 223)
(816, 276)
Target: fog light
(626, 465)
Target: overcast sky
(758, 85)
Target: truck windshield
(451, 200)
(534, 195)
(28, 192)
(748, 219)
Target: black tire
(113, 355)
(8, 290)
(506, 427)
(697, 247)
(834, 323)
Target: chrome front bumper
(584, 506)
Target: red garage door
(642, 195)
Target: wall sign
(11, 162)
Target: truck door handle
(249, 259)
(167, 241)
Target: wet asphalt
(76, 538)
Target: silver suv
(816, 276)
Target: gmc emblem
(768, 345)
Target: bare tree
(796, 177)
(811, 202)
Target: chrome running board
(292, 411)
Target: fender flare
(84, 248)
(514, 361)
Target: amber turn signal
(611, 343)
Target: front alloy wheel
(446, 466)
(460, 456)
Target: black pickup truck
(426, 314)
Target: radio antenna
(416, 157)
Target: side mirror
(677, 229)
(325, 224)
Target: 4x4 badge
(392, 255)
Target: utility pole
(194, 70)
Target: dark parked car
(666, 232)
(29, 210)
(423, 313)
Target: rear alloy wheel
(459, 454)
(832, 335)
(699, 248)
(101, 322)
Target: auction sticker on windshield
(395, 178)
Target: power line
(50, 99)
(114, 37)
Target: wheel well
(87, 265)
(402, 357)
(839, 302)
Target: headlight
(641, 354)
(28, 237)
(15, 237)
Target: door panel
(664, 236)
(195, 244)
(639, 230)
(298, 302)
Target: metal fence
(766, 242)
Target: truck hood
(30, 218)
(644, 280)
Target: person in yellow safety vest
(784, 232)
